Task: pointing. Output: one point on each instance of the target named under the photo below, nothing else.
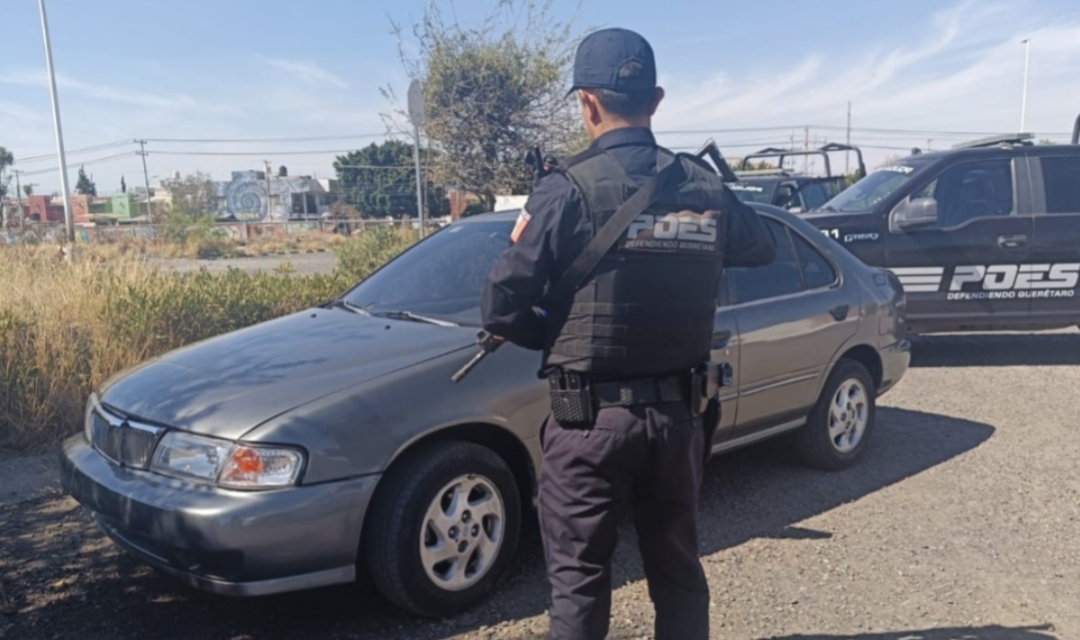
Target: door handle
(839, 312)
(1018, 241)
(720, 338)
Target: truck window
(865, 194)
(971, 190)
(1062, 179)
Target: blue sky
(239, 69)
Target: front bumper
(895, 360)
(225, 542)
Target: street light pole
(1023, 101)
(68, 222)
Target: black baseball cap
(603, 53)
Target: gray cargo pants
(647, 459)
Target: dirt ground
(962, 523)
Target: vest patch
(681, 231)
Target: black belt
(627, 393)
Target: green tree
(84, 184)
(380, 180)
(491, 92)
(28, 189)
(6, 160)
(123, 185)
(194, 199)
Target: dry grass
(67, 327)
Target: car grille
(123, 441)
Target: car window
(971, 190)
(779, 278)
(865, 194)
(817, 272)
(1062, 178)
(440, 277)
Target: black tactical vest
(649, 306)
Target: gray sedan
(303, 451)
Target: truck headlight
(88, 418)
(225, 463)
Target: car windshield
(439, 278)
(866, 193)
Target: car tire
(442, 528)
(841, 423)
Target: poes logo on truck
(994, 282)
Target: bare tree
(491, 92)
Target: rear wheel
(839, 427)
(442, 528)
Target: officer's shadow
(763, 492)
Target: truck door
(969, 261)
(1056, 249)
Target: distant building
(245, 197)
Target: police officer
(629, 336)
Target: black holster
(572, 402)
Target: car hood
(230, 384)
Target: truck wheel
(841, 422)
(442, 528)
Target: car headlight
(190, 457)
(227, 464)
(255, 467)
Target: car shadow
(760, 492)
(992, 632)
(996, 350)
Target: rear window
(1062, 179)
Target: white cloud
(964, 75)
(308, 72)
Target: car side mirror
(916, 214)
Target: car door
(1055, 253)
(792, 316)
(725, 349)
(967, 266)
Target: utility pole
(847, 154)
(806, 147)
(69, 223)
(267, 165)
(18, 195)
(1023, 100)
(417, 115)
(146, 177)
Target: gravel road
(961, 524)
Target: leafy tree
(491, 92)
(85, 185)
(6, 160)
(194, 199)
(380, 180)
(28, 189)
(123, 185)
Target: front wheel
(839, 426)
(443, 528)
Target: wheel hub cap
(849, 414)
(462, 532)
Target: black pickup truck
(983, 237)
(786, 187)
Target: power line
(118, 156)
(250, 140)
(176, 152)
(99, 147)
